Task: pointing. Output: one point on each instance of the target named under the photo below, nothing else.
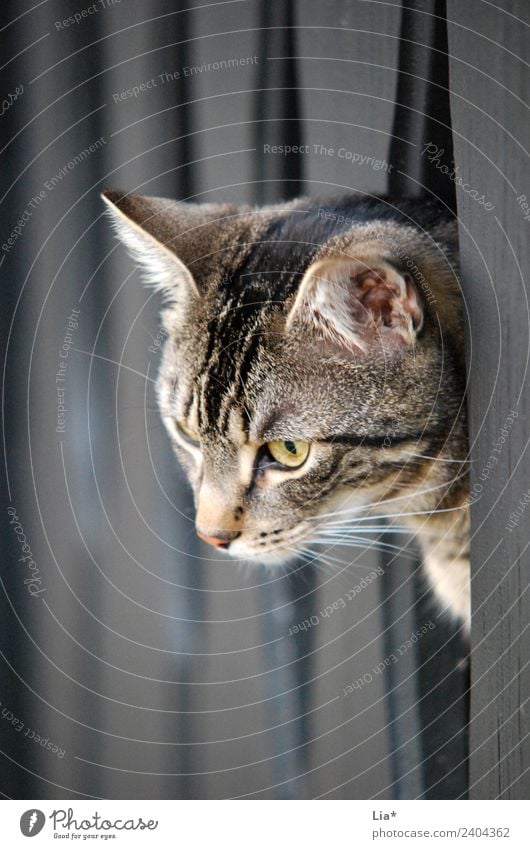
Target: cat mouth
(276, 550)
(272, 557)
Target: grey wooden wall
(160, 671)
(489, 99)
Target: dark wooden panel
(422, 101)
(348, 56)
(489, 49)
(346, 72)
(436, 695)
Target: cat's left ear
(359, 303)
(178, 246)
(141, 223)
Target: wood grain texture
(489, 49)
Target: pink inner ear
(386, 298)
(359, 303)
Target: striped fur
(242, 366)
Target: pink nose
(217, 542)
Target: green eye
(188, 434)
(289, 452)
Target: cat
(313, 371)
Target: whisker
(440, 459)
(382, 529)
(371, 505)
(397, 515)
(345, 529)
(369, 545)
(318, 557)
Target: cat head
(312, 359)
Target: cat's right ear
(149, 228)
(359, 303)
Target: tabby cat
(313, 371)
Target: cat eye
(289, 452)
(187, 433)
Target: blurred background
(136, 663)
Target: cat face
(304, 370)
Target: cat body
(313, 371)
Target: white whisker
(358, 542)
(362, 508)
(440, 459)
(381, 529)
(399, 515)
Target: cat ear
(359, 303)
(175, 244)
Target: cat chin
(278, 557)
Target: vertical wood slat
(422, 101)
(401, 682)
(489, 48)
(347, 72)
(428, 708)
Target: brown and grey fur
(258, 349)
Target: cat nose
(222, 540)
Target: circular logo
(31, 822)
